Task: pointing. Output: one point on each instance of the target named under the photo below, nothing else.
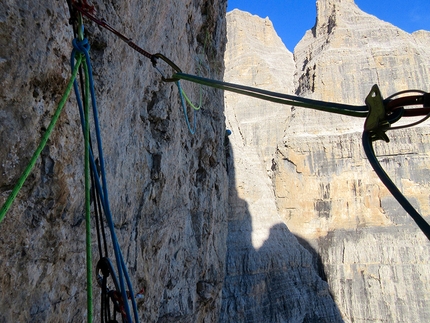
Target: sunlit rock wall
(270, 277)
(325, 191)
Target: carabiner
(170, 63)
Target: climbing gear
(83, 48)
(399, 103)
(379, 113)
(381, 116)
(105, 270)
(88, 11)
(191, 103)
(80, 47)
(99, 190)
(192, 130)
(345, 109)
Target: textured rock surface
(251, 39)
(168, 189)
(372, 251)
(326, 190)
(270, 277)
(324, 187)
(170, 192)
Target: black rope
(282, 98)
(104, 271)
(98, 214)
(370, 153)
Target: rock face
(372, 251)
(168, 189)
(202, 235)
(323, 186)
(249, 42)
(270, 277)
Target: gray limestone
(168, 189)
(282, 222)
(324, 189)
(371, 249)
(270, 277)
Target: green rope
(6, 206)
(88, 194)
(87, 96)
(200, 92)
(189, 101)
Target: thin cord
(192, 130)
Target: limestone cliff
(355, 220)
(168, 189)
(205, 236)
(270, 277)
(324, 189)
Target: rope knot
(82, 46)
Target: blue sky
(292, 18)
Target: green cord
(87, 96)
(200, 97)
(87, 195)
(6, 206)
(190, 103)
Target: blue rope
(370, 153)
(83, 47)
(81, 115)
(184, 108)
(184, 105)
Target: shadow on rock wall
(278, 282)
(316, 257)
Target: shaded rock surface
(324, 189)
(168, 189)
